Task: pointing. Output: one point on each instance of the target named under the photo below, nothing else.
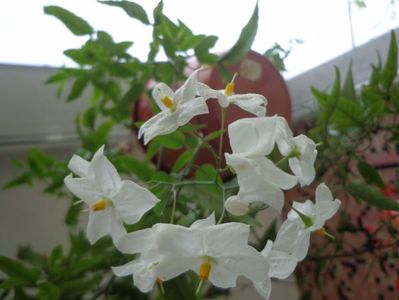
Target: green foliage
(75, 24)
(132, 9)
(244, 42)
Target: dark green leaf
(174, 140)
(24, 178)
(391, 65)
(48, 291)
(369, 173)
(10, 283)
(77, 88)
(18, 270)
(132, 9)
(202, 50)
(77, 25)
(73, 213)
(244, 43)
(348, 90)
(371, 196)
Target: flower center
(321, 231)
(204, 270)
(169, 103)
(229, 89)
(100, 205)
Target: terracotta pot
(255, 74)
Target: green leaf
(183, 159)
(174, 140)
(77, 88)
(391, 65)
(73, 213)
(245, 40)
(24, 178)
(348, 90)
(202, 50)
(369, 173)
(18, 270)
(10, 283)
(75, 24)
(371, 196)
(129, 164)
(132, 9)
(48, 291)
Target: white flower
(302, 153)
(218, 253)
(143, 269)
(253, 103)
(308, 217)
(260, 180)
(111, 200)
(177, 108)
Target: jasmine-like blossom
(111, 201)
(259, 179)
(218, 253)
(310, 217)
(177, 108)
(252, 103)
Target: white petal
(83, 188)
(133, 201)
(283, 136)
(222, 277)
(203, 223)
(99, 225)
(274, 174)
(124, 270)
(160, 124)
(235, 206)
(225, 239)
(173, 266)
(105, 175)
(267, 250)
(161, 90)
(307, 208)
(207, 93)
(191, 108)
(282, 265)
(323, 193)
(79, 166)
(253, 136)
(253, 103)
(302, 245)
(117, 229)
(136, 242)
(188, 90)
(264, 288)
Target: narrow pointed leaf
(348, 90)
(391, 65)
(18, 270)
(75, 24)
(371, 196)
(244, 42)
(132, 9)
(369, 173)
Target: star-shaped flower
(308, 217)
(111, 200)
(177, 108)
(253, 103)
(259, 179)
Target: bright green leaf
(183, 159)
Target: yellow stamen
(169, 103)
(229, 89)
(100, 205)
(321, 231)
(204, 270)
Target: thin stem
(224, 208)
(172, 216)
(223, 117)
(199, 287)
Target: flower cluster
(218, 252)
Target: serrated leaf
(390, 69)
(371, 196)
(132, 9)
(48, 291)
(18, 270)
(244, 42)
(75, 24)
(369, 173)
